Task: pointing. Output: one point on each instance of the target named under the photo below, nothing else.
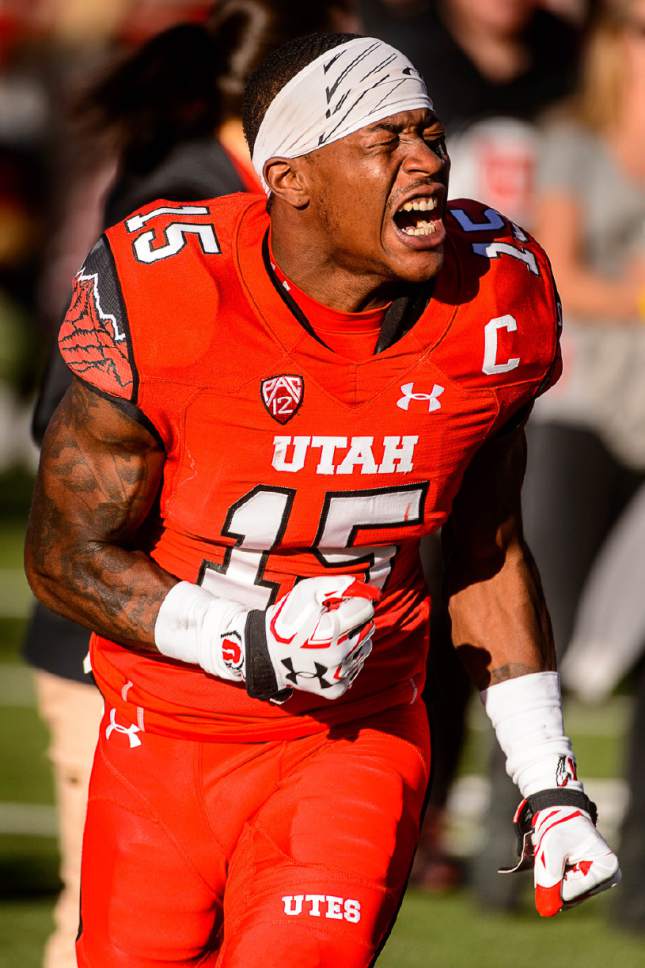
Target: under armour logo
(130, 731)
(408, 394)
(319, 674)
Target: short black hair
(277, 70)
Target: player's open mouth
(413, 217)
(418, 221)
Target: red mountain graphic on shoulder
(92, 343)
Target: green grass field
(432, 932)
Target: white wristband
(526, 713)
(195, 626)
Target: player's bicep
(85, 554)
(99, 474)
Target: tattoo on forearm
(510, 671)
(98, 481)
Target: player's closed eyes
(437, 144)
(389, 143)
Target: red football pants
(288, 854)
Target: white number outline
(493, 223)
(175, 234)
(493, 250)
(211, 572)
(367, 556)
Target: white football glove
(570, 859)
(316, 639)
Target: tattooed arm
(99, 475)
(500, 624)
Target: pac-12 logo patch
(282, 396)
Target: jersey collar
(291, 327)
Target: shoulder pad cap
(94, 338)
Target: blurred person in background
(501, 57)
(174, 134)
(587, 443)
(493, 66)
(24, 191)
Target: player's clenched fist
(316, 638)
(571, 860)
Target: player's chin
(415, 258)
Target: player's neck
(318, 272)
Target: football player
(272, 405)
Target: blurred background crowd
(108, 104)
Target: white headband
(344, 89)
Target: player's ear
(285, 178)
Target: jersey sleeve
(544, 355)
(506, 332)
(94, 339)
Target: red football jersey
(286, 460)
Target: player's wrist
(262, 672)
(526, 713)
(194, 626)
